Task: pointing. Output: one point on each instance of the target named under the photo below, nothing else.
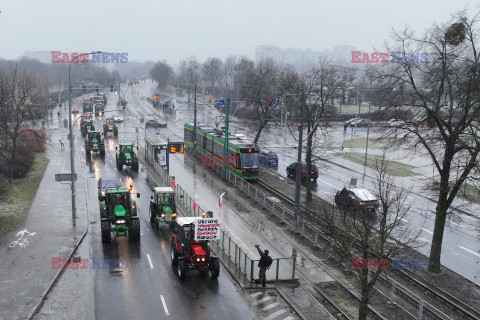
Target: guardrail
(397, 292)
(281, 269)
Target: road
(144, 285)
(460, 249)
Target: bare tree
(317, 86)
(19, 91)
(373, 238)
(162, 73)
(263, 86)
(438, 77)
(213, 72)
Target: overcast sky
(175, 29)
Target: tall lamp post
(70, 131)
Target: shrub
(20, 165)
(4, 186)
(33, 140)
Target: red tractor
(110, 126)
(189, 254)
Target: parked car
(240, 136)
(268, 158)
(361, 123)
(105, 183)
(395, 123)
(155, 124)
(117, 118)
(292, 170)
(356, 199)
(351, 121)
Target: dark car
(105, 183)
(356, 199)
(268, 158)
(359, 122)
(155, 124)
(292, 169)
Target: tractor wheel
(105, 225)
(134, 233)
(173, 253)
(152, 215)
(182, 269)
(102, 150)
(214, 268)
(135, 166)
(119, 165)
(115, 132)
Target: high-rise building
(269, 52)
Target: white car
(117, 118)
(240, 136)
(395, 123)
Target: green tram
(242, 156)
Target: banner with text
(207, 229)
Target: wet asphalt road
(146, 286)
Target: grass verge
(394, 168)
(361, 143)
(14, 208)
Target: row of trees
(443, 91)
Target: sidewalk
(26, 272)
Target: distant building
(302, 58)
(266, 52)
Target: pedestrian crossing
(271, 306)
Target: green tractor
(87, 126)
(126, 156)
(118, 214)
(162, 206)
(94, 142)
(87, 106)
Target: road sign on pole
(65, 177)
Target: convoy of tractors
(118, 209)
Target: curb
(300, 314)
(57, 276)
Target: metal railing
(397, 292)
(281, 269)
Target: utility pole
(298, 173)
(368, 133)
(195, 118)
(225, 145)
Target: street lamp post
(70, 131)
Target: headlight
(203, 259)
(163, 215)
(198, 259)
(120, 221)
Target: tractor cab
(110, 126)
(119, 210)
(95, 143)
(162, 206)
(126, 156)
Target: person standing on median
(264, 264)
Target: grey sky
(175, 29)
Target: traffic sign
(221, 102)
(65, 177)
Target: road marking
(253, 295)
(262, 300)
(423, 239)
(329, 184)
(427, 231)
(164, 305)
(275, 314)
(468, 250)
(270, 306)
(289, 318)
(149, 261)
(404, 220)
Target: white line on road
(164, 305)
(262, 300)
(427, 231)
(270, 306)
(468, 250)
(276, 314)
(253, 295)
(149, 261)
(423, 239)
(329, 184)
